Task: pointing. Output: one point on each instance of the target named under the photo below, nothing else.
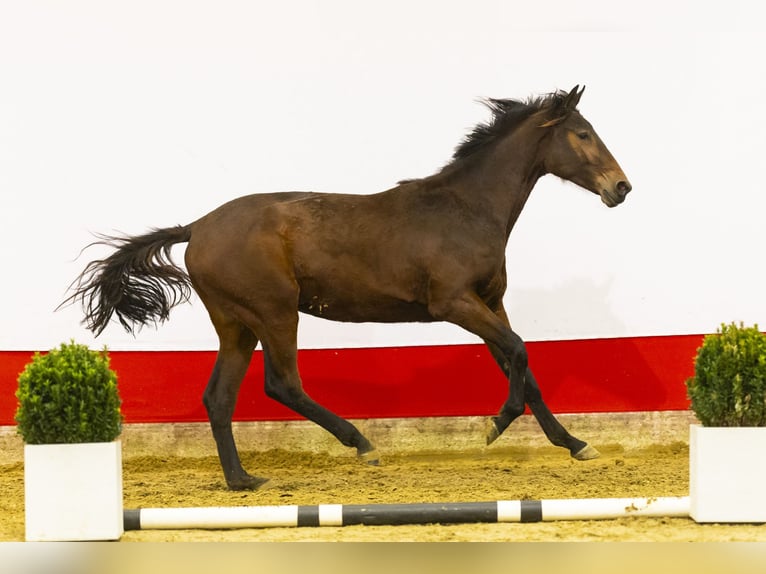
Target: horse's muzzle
(615, 196)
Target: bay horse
(430, 249)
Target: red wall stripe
(579, 376)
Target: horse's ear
(573, 98)
(564, 106)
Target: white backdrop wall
(119, 116)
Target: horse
(429, 249)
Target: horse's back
(324, 243)
(225, 232)
(345, 257)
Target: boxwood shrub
(68, 395)
(729, 383)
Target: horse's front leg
(553, 429)
(473, 314)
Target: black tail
(139, 281)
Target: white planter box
(727, 474)
(73, 491)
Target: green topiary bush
(729, 384)
(68, 395)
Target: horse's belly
(373, 311)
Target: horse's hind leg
(283, 384)
(236, 349)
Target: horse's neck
(502, 179)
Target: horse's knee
(517, 354)
(517, 398)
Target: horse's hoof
(370, 457)
(247, 483)
(491, 431)
(586, 453)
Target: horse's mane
(507, 115)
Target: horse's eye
(583, 135)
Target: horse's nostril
(624, 187)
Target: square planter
(727, 474)
(73, 491)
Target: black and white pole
(395, 514)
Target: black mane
(506, 116)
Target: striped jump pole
(395, 514)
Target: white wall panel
(123, 116)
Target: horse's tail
(139, 282)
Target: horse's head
(576, 153)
